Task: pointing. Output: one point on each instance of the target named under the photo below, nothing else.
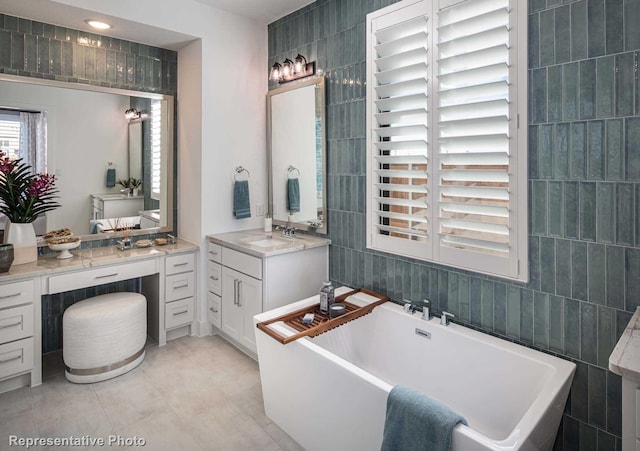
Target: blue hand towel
(111, 178)
(241, 203)
(293, 195)
(93, 226)
(416, 422)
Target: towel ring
(291, 169)
(239, 170)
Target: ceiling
(263, 10)
(52, 12)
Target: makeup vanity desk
(168, 281)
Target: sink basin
(270, 242)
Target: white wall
(85, 131)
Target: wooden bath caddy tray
(321, 322)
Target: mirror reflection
(297, 155)
(107, 166)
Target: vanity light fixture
(276, 70)
(290, 70)
(132, 113)
(97, 24)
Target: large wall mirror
(297, 148)
(90, 145)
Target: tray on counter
(321, 322)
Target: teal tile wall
(584, 193)
(35, 49)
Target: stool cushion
(104, 330)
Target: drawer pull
(213, 277)
(185, 310)
(11, 325)
(11, 359)
(180, 264)
(213, 310)
(213, 252)
(184, 285)
(14, 295)
(106, 275)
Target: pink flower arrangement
(24, 195)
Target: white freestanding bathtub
(330, 392)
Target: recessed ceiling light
(97, 24)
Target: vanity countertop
(115, 196)
(625, 358)
(88, 258)
(259, 243)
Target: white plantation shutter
(156, 147)
(474, 185)
(10, 133)
(398, 116)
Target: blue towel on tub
(241, 203)
(415, 422)
(293, 195)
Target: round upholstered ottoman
(104, 336)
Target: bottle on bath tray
(327, 297)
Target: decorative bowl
(64, 248)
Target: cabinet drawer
(16, 357)
(246, 264)
(214, 303)
(178, 313)
(179, 263)
(214, 275)
(179, 286)
(214, 252)
(16, 293)
(16, 323)
(98, 276)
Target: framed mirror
(296, 144)
(91, 145)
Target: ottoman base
(89, 376)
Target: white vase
(23, 238)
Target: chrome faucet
(409, 307)
(287, 232)
(446, 318)
(426, 311)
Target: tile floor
(192, 394)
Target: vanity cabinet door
(241, 300)
(231, 314)
(250, 299)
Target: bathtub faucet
(426, 310)
(409, 307)
(446, 318)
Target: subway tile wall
(584, 193)
(34, 49)
(40, 50)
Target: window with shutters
(156, 147)
(10, 133)
(446, 169)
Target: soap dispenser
(327, 297)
